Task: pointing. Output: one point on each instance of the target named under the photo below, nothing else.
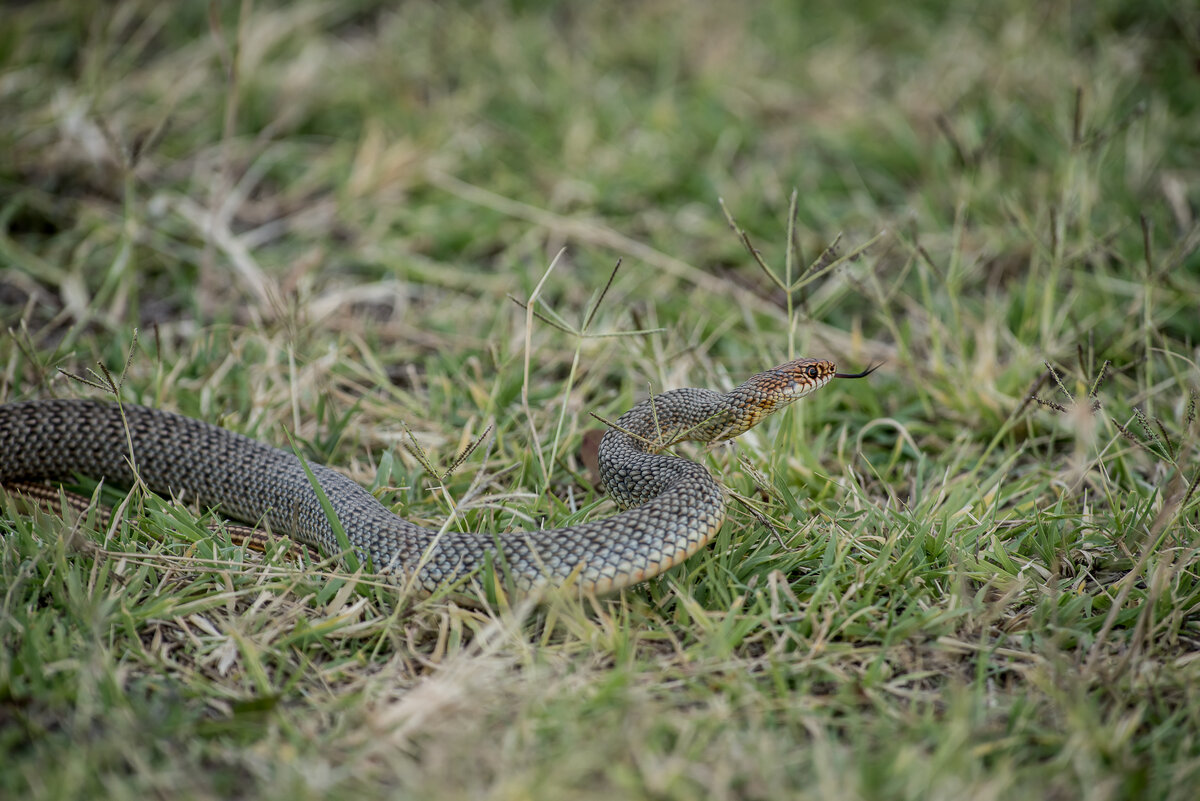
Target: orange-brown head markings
(779, 386)
(799, 377)
(773, 389)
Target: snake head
(802, 376)
(793, 380)
(774, 389)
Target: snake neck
(631, 463)
(659, 422)
(698, 415)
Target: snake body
(672, 506)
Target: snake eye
(812, 371)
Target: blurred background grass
(312, 214)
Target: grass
(308, 217)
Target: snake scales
(672, 506)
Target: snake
(670, 507)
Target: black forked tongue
(863, 374)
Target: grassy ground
(309, 215)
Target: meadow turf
(975, 574)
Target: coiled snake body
(672, 506)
